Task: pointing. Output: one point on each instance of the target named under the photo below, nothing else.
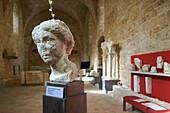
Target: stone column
(112, 66)
(109, 60)
(109, 67)
(104, 66)
(109, 63)
(114, 62)
(104, 61)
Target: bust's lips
(45, 56)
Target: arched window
(15, 18)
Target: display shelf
(160, 82)
(150, 73)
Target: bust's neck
(62, 66)
(64, 70)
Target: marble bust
(55, 42)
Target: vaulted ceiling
(74, 13)
(67, 10)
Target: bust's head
(53, 39)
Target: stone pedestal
(97, 80)
(107, 85)
(34, 77)
(73, 101)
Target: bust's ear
(68, 50)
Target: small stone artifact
(153, 69)
(55, 42)
(145, 68)
(166, 67)
(132, 68)
(159, 62)
(138, 63)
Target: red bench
(140, 104)
(161, 111)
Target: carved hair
(59, 29)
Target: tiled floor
(28, 99)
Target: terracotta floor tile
(28, 99)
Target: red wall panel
(160, 84)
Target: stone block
(162, 19)
(168, 16)
(34, 77)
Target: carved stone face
(50, 48)
(159, 62)
(138, 62)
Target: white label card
(55, 91)
(139, 100)
(154, 106)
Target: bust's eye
(50, 39)
(37, 41)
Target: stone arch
(100, 40)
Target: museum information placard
(55, 91)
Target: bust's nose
(42, 46)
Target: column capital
(112, 54)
